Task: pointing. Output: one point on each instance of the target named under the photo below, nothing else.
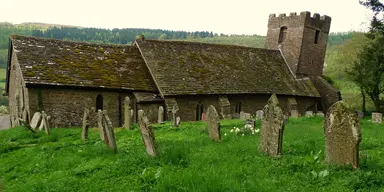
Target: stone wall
(66, 106)
(250, 103)
(17, 90)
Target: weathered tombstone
(178, 121)
(272, 127)
(309, 113)
(131, 115)
(320, 114)
(286, 119)
(44, 121)
(377, 117)
(203, 117)
(250, 124)
(342, 135)
(259, 114)
(294, 114)
(247, 116)
(174, 111)
(360, 114)
(127, 113)
(147, 135)
(36, 119)
(100, 124)
(242, 115)
(85, 127)
(109, 135)
(160, 118)
(213, 121)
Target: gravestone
(245, 116)
(342, 135)
(377, 117)
(272, 127)
(178, 121)
(131, 115)
(109, 135)
(36, 120)
(360, 114)
(160, 118)
(213, 121)
(85, 127)
(45, 123)
(203, 117)
(250, 124)
(147, 135)
(242, 115)
(174, 111)
(100, 124)
(127, 113)
(286, 119)
(294, 114)
(309, 113)
(259, 114)
(320, 114)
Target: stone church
(59, 77)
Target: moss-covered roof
(197, 68)
(64, 63)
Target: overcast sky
(222, 16)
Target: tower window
(283, 34)
(99, 102)
(317, 35)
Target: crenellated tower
(303, 40)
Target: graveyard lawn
(189, 160)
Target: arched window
(283, 34)
(199, 111)
(238, 107)
(99, 102)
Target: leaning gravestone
(109, 135)
(160, 118)
(147, 135)
(127, 113)
(272, 126)
(377, 117)
(259, 114)
(213, 121)
(100, 124)
(36, 120)
(342, 135)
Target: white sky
(222, 16)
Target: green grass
(189, 161)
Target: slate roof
(190, 68)
(64, 63)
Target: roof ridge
(15, 36)
(205, 43)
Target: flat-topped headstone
(127, 113)
(36, 119)
(213, 121)
(342, 135)
(294, 114)
(320, 114)
(160, 118)
(259, 114)
(147, 135)
(242, 115)
(272, 126)
(377, 117)
(309, 113)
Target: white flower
(242, 134)
(231, 130)
(225, 134)
(257, 130)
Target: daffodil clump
(246, 130)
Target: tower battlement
(294, 19)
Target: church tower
(302, 39)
